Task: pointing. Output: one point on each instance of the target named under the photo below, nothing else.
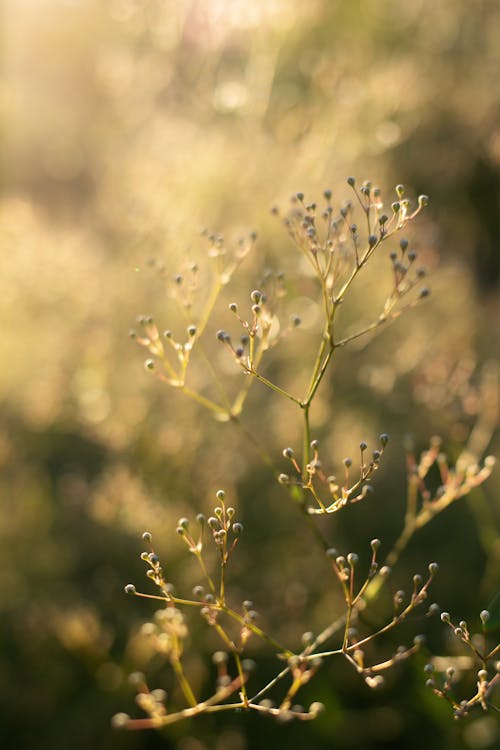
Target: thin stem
(273, 386)
(183, 682)
(206, 402)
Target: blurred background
(128, 126)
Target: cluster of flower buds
(342, 492)
(444, 682)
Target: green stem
(185, 686)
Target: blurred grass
(129, 125)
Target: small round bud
(136, 678)
(383, 219)
(384, 439)
(283, 479)
(220, 495)
(213, 523)
(375, 682)
(375, 544)
(385, 571)
(395, 206)
(153, 558)
(424, 292)
(256, 296)
(130, 588)
(423, 200)
(198, 591)
(266, 703)
(403, 244)
(159, 695)
(220, 657)
(149, 364)
(327, 194)
(288, 453)
(484, 616)
(372, 240)
(400, 190)
(183, 523)
(347, 462)
(429, 668)
(223, 336)
(299, 196)
(419, 640)
(248, 665)
(482, 674)
(445, 617)
(412, 256)
(433, 609)
(248, 604)
(120, 721)
(417, 580)
(316, 708)
(146, 537)
(376, 455)
(296, 321)
(237, 528)
(201, 519)
(352, 559)
(363, 446)
(351, 181)
(191, 331)
(307, 638)
(331, 552)
(233, 307)
(433, 568)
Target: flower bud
(485, 616)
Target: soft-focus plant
(337, 246)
